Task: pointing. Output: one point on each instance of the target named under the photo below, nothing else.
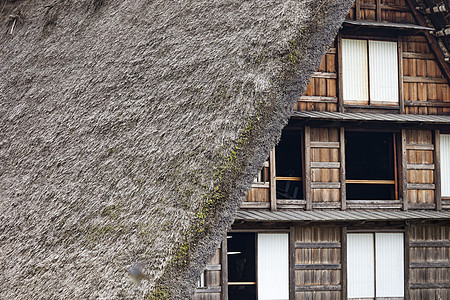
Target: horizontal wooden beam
(319, 245)
(255, 204)
(242, 283)
(282, 178)
(429, 244)
(318, 99)
(329, 287)
(260, 185)
(427, 103)
(369, 181)
(326, 75)
(429, 285)
(213, 267)
(420, 147)
(434, 264)
(421, 186)
(317, 266)
(411, 79)
(332, 145)
(420, 167)
(325, 185)
(416, 55)
(326, 165)
(209, 289)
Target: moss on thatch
(131, 130)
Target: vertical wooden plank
(339, 68)
(407, 259)
(342, 170)
(357, 10)
(437, 170)
(273, 181)
(224, 268)
(308, 167)
(400, 75)
(378, 4)
(344, 262)
(292, 262)
(404, 178)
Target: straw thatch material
(131, 130)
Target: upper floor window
(370, 72)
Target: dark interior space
(241, 266)
(369, 156)
(289, 164)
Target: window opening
(445, 164)
(288, 163)
(258, 266)
(375, 265)
(370, 166)
(370, 72)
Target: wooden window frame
(291, 256)
(397, 164)
(399, 105)
(345, 231)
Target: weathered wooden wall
(317, 263)
(420, 169)
(429, 253)
(213, 280)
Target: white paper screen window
(389, 264)
(445, 164)
(383, 71)
(273, 266)
(354, 70)
(360, 265)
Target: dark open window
(370, 166)
(288, 157)
(241, 266)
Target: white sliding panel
(389, 260)
(273, 266)
(354, 71)
(383, 72)
(360, 265)
(445, 164)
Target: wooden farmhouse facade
(354, 201)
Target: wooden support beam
(343, 194)
(224, 262)
(357, 10)
(308, 168)
(414, 79)
(404, 177)
(344, 262)
(340, 79)
(430, 40)
(378, 3)
(437, 170)
(291, 262)
(400, 75)
(407, 259)
(273, 181)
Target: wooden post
(357, 10)
(401, 100)
(273, 181)
(308, 168)
(224, 268)
(437, 170)
(292, 262)
(340, 78)
(342, 170)
(404, 176)
(407, 259)
(344, 262)
(378, 4)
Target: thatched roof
(131, 130)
